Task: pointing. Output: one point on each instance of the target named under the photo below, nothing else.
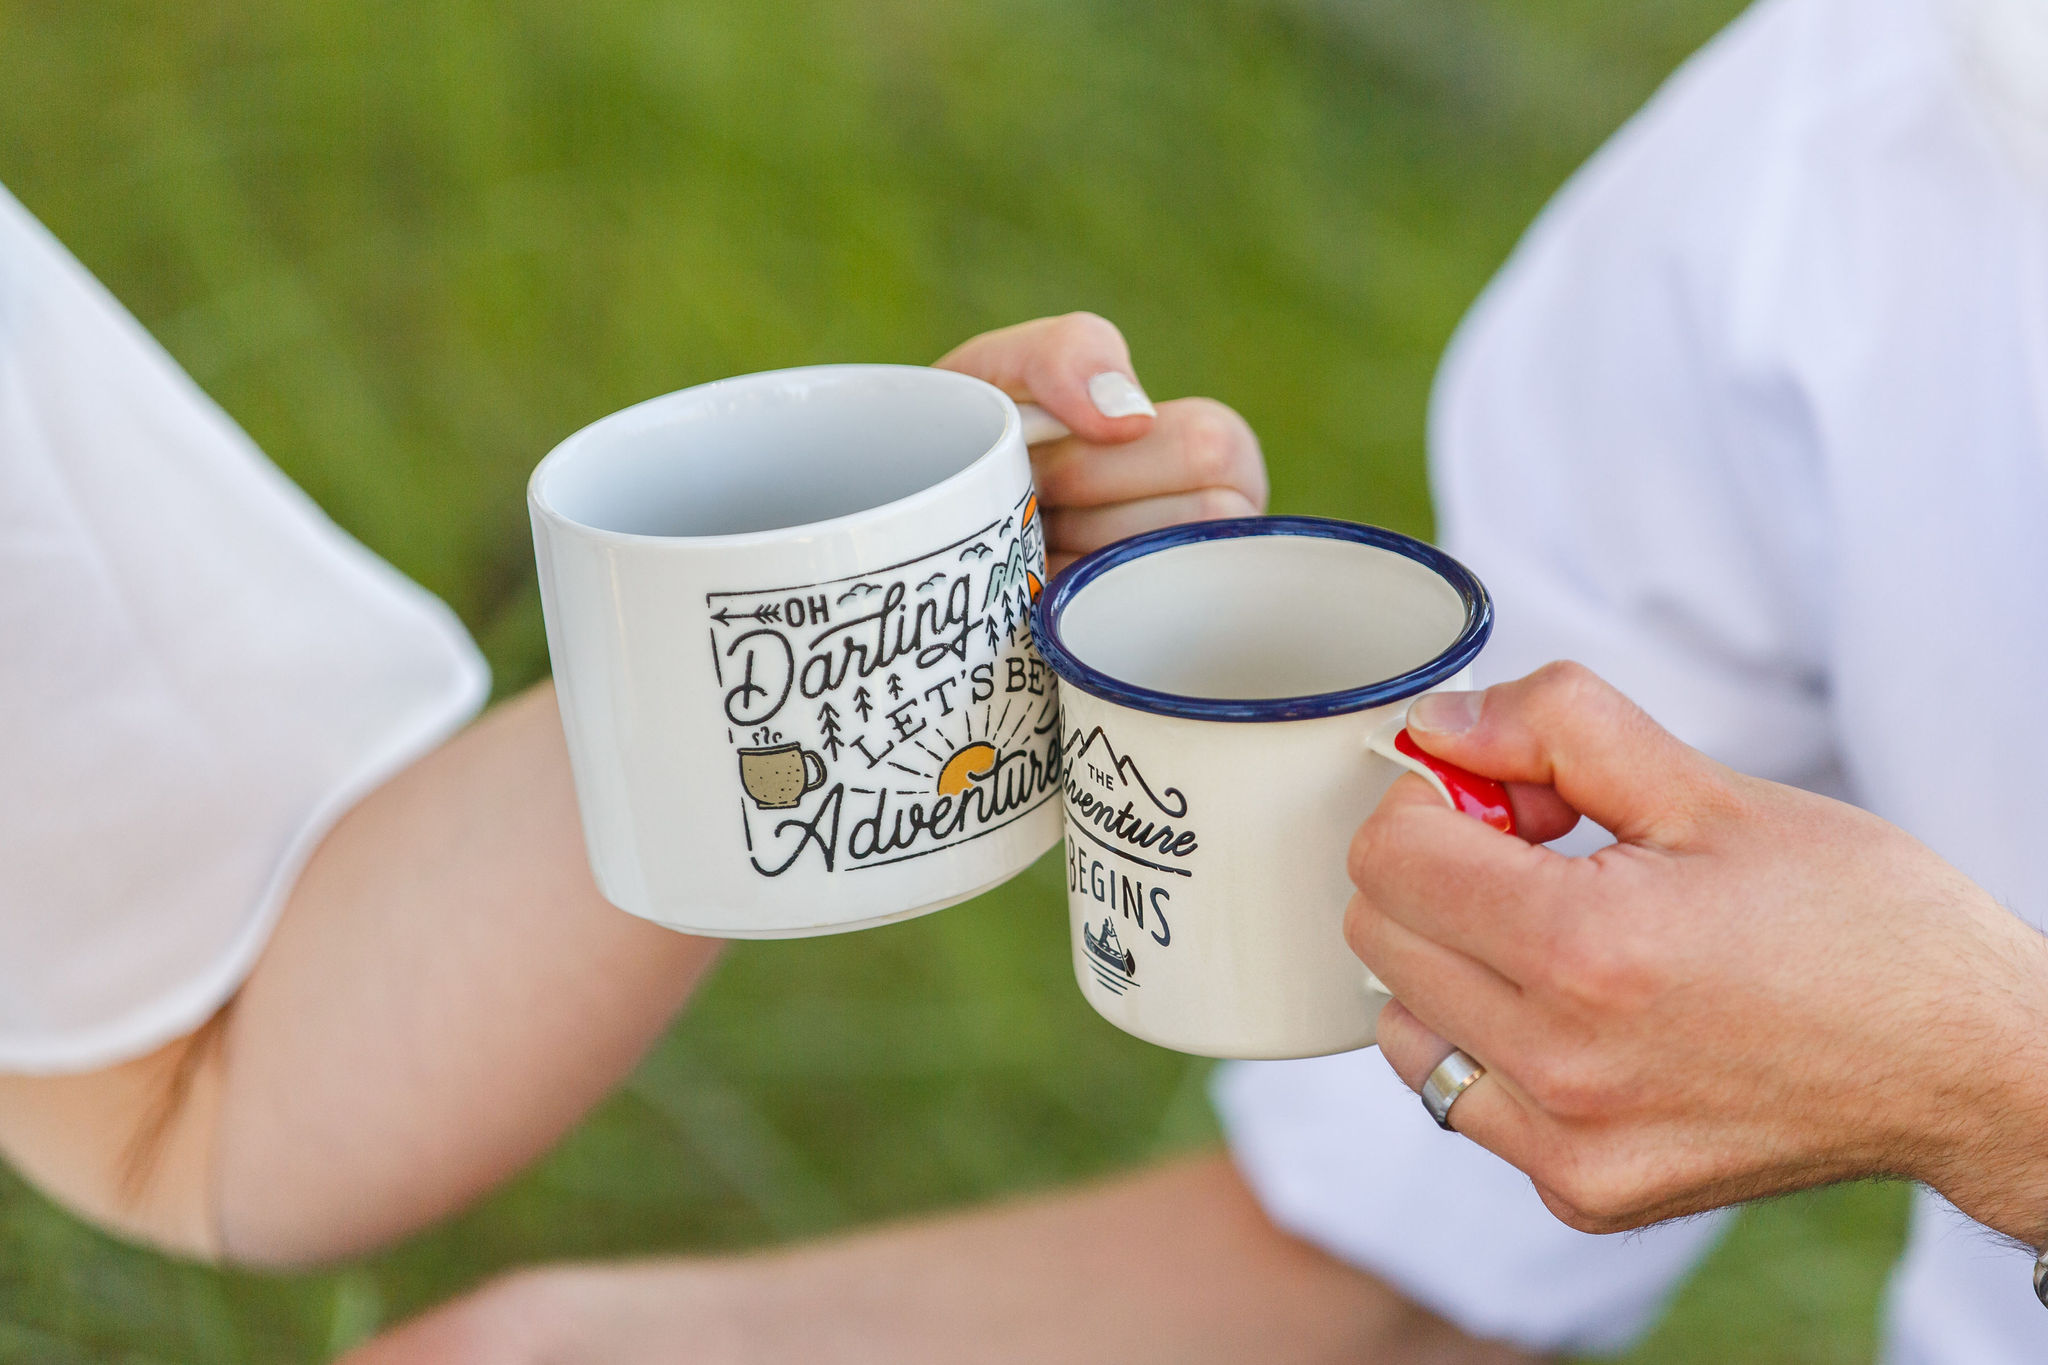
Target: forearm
(1177, 1266)
(445, 993)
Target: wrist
(1986, 1128)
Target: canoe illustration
(1107, 948)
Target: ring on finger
(1454, 1075)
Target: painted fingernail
(1116, 394)
(1445, 713)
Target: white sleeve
(1636, 500)
(198, 674)
(1631, 498)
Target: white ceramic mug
(789, 615)
(1233, 696)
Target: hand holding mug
(1128, 466)
(1755, 990)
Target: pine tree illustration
(895, 687)
(995, 638)
(863, 705)
(828, 731)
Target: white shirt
(198, 673)
(1755, 423)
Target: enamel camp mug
(789, 616)
(1233, 697)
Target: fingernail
(1116, 394)
(1445, 713)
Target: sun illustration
(1030, 510)
(949, 761)
(976, 760)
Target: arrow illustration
(725, 616)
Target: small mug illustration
(780, 776)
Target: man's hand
(1128, 467)
(1753, 991)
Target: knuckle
(1565, 1084)
(1215, 442)
(1216, 504)
(1578, 1219)
(1608, 970)
(1367, 854)
(1082, 328)
(1358, 920)
(1564, 684)
(1594, 1198)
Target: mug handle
(1482, 798)
(1040, 426)
(814, 772)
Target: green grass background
(412, 243)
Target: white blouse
(198, 674)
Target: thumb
(1565, 728)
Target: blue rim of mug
(1062, 591)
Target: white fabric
(1756, 424)
(198, 673)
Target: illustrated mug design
(790, 621)
(917, 683)
(1233, 696)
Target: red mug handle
(1482, 798)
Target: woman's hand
(1755, 990)
(1128, 467)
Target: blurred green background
(411, 245)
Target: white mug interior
(772, 451)
(1262, 617)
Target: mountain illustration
(1107, 757)
(1007, 576)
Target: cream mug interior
(1302, 624)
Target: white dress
(198, 673)
(1755, 423)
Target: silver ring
(1453, 1077)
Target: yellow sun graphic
(976, 760)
